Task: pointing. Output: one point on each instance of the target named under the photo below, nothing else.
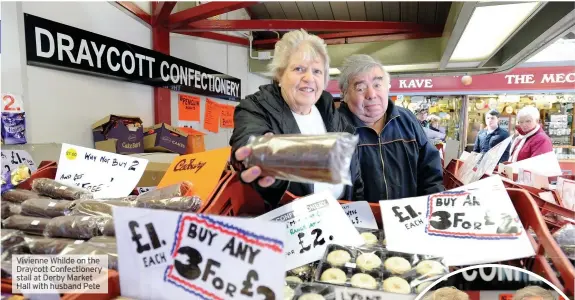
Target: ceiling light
(414, 67)
(488, 28)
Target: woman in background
(532, 140)
(434, 122)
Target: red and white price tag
(12, 103)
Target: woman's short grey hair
(433, 118)
(447, 293)
(528, 111)
(288, 44)
(533, 291)
(355, 65)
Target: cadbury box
(119, 134)
(165, 138)
(195, 140)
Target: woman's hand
(253, 173)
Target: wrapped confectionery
(31, 225)
(101, 208)
(57, 190)
(76, 227)
(10, 209)
(304, 158)
(20, 195)
(47, 208)
(172, 197)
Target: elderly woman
(533, 293)
(532, 140)
(434, 122)
(294, 103)
(447, 293)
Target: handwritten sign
(212, 116)
(545, 164)
(188, 108)
(478, 218)
(360, 214)
(347, 293)
(475, 167)
(312, 223)
(566, 190)
(105, 174)
(227, 118)
(145, 189)
(12, 159)
(203, 169)
(171, 255)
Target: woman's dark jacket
(266, 111)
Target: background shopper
(532, 140)
(491, 135)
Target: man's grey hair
(287, 46)
(528, 111)
(533, 291)
(355, 65)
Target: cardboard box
(119, 134)
(156, 169)
(195, 140)
(165, 138)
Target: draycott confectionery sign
(535, 79)
(54, 45)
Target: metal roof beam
(459, 15)
(204, 11)
(161, 12)
(133, 10)
(218, 37)
(309, 25)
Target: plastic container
(349, 263)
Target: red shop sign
(519, 79)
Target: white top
(313, 124)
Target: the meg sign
(55, 45)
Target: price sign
(171, 255)
(479, 218)
(12, 103)
(566, 190)
(312, 223)
(475, 167)
(346, 293)
(12, 159)
(105, 174)
(142, 190)
(360, 214)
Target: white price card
(12, 159)
(346, 293)
(566, 190)
(360, 214)
(476, 166)
(172, 255)
(312, 223)
(12, 103)
(473, 224)
(105, 174)
(145, 189)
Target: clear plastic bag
(76, 227)
(378, 269)
(10, 209)
(172, 197)
(102, 208)
(20, 195)
(13, 242)
(57, 190)
(46, 208)
(31, 225)
(565, 237)
(304, 158)
(96, 247)
(48, 246)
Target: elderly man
(396, 159)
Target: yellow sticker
(71, 154)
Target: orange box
(195, 140)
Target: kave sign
(203, 169)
